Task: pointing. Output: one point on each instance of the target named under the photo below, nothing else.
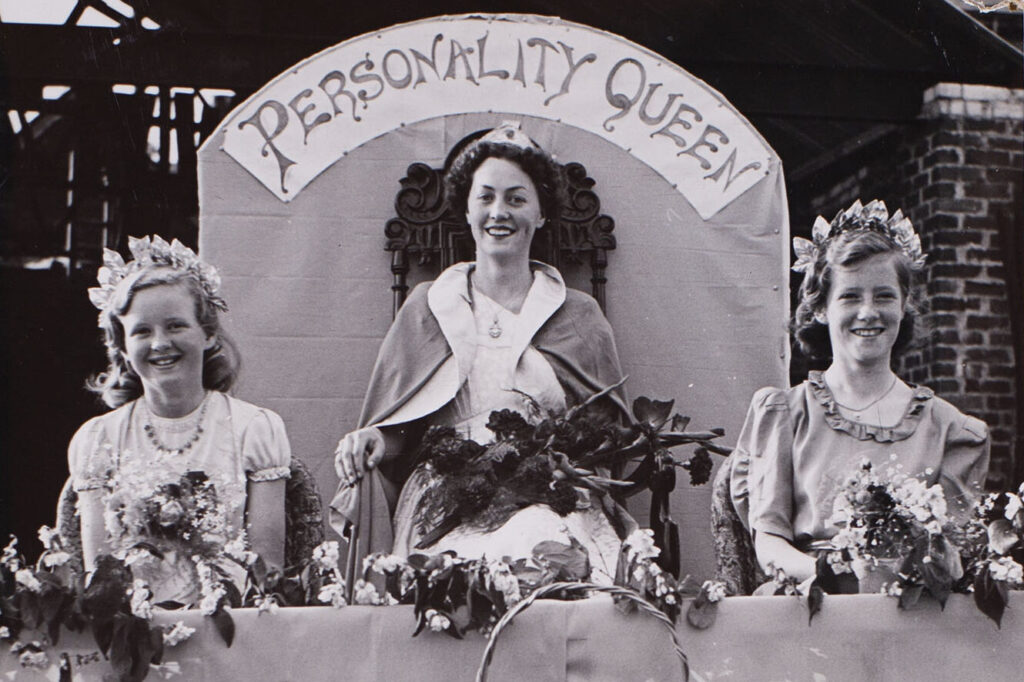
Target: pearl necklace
(150, 430)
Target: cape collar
(450, 302)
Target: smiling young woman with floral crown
(858, 301)
(178, 466)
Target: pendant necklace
(160, 446)
(871, 404)
(494, 331)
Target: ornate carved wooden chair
(735, 560)
(427, 233)
(304, 517)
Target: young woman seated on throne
(500, 333)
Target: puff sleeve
(266, 453)
(762, 469)
(90, 456)
(965, 462)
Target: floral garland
(894, 526)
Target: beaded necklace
(150, 431)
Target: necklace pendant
(494, 331)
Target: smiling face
(864, 309)
(164, 342)
(503, 209)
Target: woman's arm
(94, 532)
(363, 449)
(264, 509)
(775, 550)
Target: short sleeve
(90, 456)
(266, 453)
(762, 467)
(965, 462)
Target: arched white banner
(337, 100)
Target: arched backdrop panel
(698, 304)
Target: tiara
(511, 133)
(874, 217)
(148, 252)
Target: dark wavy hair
(119, 384)
(547, 176)
(851, 248)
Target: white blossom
(141, 605)
(365, 593)
(166, 670)
(34, 659)
(383, 563)
(1006, 569)
(57, 558)
(9, 558)
(714, 589)
(438, 622)
(25, 577)
(208, 604)
(5, 633)
(503, 580)
(177, 634)
(640, 545)
(326, 555)
(267, 604)
(1013, 506)
(49, 537)
(333, 594)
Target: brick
(952, 303)
(942, 156)
(955, 270)
(944, 353)
(987, 355)
(983, 322)
(996, 272)
(1001, 402)
(979, 157)
(943, 369)
(985, 288)
(947, 336)
(998, 306)
(939, 190)
(937, 255)
(944, 286)
(957, 237)
(974, 338)
(973, 371)
(1001, 338)
(1009, 144)
(986, 126)
(943, 320)
(1001, 435)
(956, 173)
(945, 387)
(1007, 371)
(986, 93)
(987, 190)
(948, 138)
(959, 205)
(985, 255)
(941, 221)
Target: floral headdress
(510, 133)
(874, 217)
(154, 252)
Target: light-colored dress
(795, 449)
(239, 442)
(508, 373)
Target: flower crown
(874, 217)
(154, 252)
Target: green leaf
(1001, 536)
(990, 596)
(653, 413)
(225, 625)
(815, 599)
(570, 562)
(702, 612)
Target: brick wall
(956, 173)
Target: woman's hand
(358, 452)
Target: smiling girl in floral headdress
(798, 445)
(178, 468)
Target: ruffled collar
(882, 434)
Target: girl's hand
(357, 452)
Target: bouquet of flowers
(895, 520)
(560, 461)
(993, 548)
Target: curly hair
(119, 383)
(847, 249)
(547, 175)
